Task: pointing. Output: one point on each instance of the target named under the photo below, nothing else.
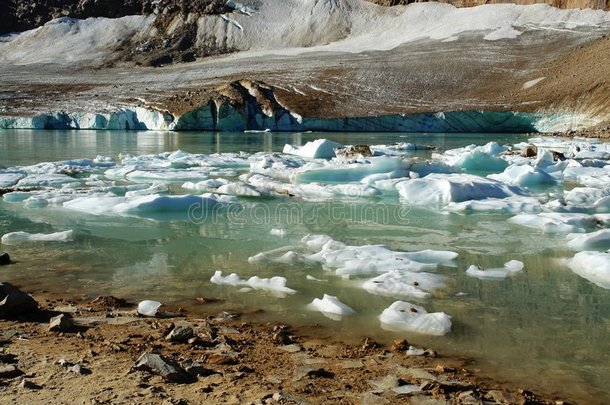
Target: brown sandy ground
(235, 361)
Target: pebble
(27, 384)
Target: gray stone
(29, 385)
(9, 371)
(79, 369)
(195, 368)
(5, 259)
(61, 323)
(14, 302)
(290, 348)
(180, 334)
(166, 368)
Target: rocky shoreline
(103, 352)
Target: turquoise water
(545, 329)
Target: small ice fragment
(312, 278)
(148, 307)
(331, 307)
(278, 232)
(414, 351)
(404, 316)
(593, 266)
(599, 240)
(259, 258)
(318, 149)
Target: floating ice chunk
(585, 195)
(171, 175)
(404, 316)
(205, 185)
(155, 188)
(259, 258)
(277, 166)
(46, 180)
(550, 222)
(331, 307)
(292, 257)
(510, 268)
(316, 242)
(594, 266)
(148, 307)
(276, 285)
(344, 173)
(524, 175)
(17, 196)
(599, 240)
(403, 284)
(432, 256)
(15, 238)
(312, 278)
(442, 189)
(318, 149)
(513, 204)
(478, 161)
(239, 189)
(278, 232)
(8, 179)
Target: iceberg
(510, 268)
(404, 316)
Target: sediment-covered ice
(331, 307)
(15, 238)
(598, 240)
(404, 316)
(440, 190)
(510, 268)
(276, 285)
(594, 266)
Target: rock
(5, 259)
(400, 345)
(195, 368)
(469, 398)
(320, 373)
(79, 369)
(61, 323)
(29, 385)
(353, 152)
(369, 343)
(530, 151)
(166, 368)
(278, 396)
(9, 371)
(558, 156)
(293, 348)
(180, 334)
(108, 301)
(14, 302)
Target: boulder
(5, 259)
(14, 302)
(166, 368)
(180, 334)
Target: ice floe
(15, 238)
(404, 316)
(439, 190)
(594, 266)
(524, 175)
(331, 307)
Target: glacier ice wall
(229, 117)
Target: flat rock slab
(165, 367)
(61, 323)
(9, 371)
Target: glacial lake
(545, 328)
